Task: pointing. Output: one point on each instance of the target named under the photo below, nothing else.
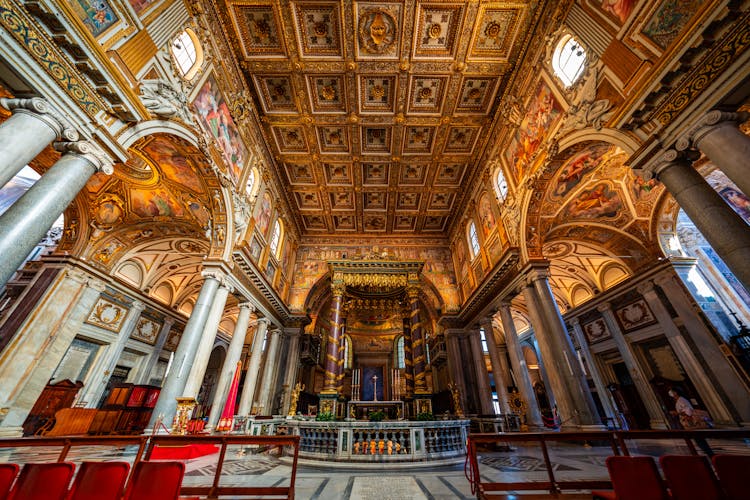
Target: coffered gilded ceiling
(375, 111)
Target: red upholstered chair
(100, 481)
(8, 473)
(690, 477)
(636, 478)
(733, 474)
(155, 481)
(43, 481)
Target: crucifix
(374, 387)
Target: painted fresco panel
(172, 163)
(600, 201)
(98, 16)
(738, 201)
(669, 19)
(215, 117)
(619, 9)
(576, 168)
(155, 203)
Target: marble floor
(385, 482)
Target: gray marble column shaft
(601, 388)
(715, 368)
(455, 365)
(518, 363)
(645, 391)
(718, 136)
(572, 375)
(292, 366)
(722, 227)
(144, 377)
(30, 217)
(185, 354)
(483, 377)
(103, 371)
(203, 354)
(230, 363)
(269, 371)
(253, 367)
(32, 127)
(500, 376)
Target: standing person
(690, 418)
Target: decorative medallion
(461, 140)
(418, 140)
(107, 211)
(476, 95)
(496, 32)
(635, 315)
(377, 30)
(437, 28)
(173, 340)
(290, 139)
(333, 139)
(277, 93)
(426, 94)
(108, 315)
(376, 93)
(318, 29)
(146, 330)
(327, 93)
(376, 140)
(258, 27)
(596, 331)
(375, 173)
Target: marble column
(30, 217)
(331, 364)
(715, 369)
(267, 384)
(483, 377)
(144, 376)
(596, 376)
(408, 359)
(292, 366)
(518, 363)
(253, 366)
(718, 136)
(33, 125)
(722, 227)
(455, 363)
(645, 391)
(103, 370)
(230, 363)
(203, 353)
(498, 372)
(417, 342)
(32, 356)
(185, 355)
(573, 378)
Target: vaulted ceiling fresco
(375, 111)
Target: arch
(276, 241)
(163, 292)
(472, 237)
(579, 295)
(348, 346)
(131, 135)
(399, 357)
(132, 271)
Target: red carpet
(183, 452)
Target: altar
(360, 410)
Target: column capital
(214, 274)
(504, 304)
(575, 321)
(90, 152)
(247, 305)
(604, 307)
(668, 159)
(337, 289)
(412, 292)
(645, 287)
(536, 274)
(137, 305)
(706, 124)
(168, 321)
(263, 321)
(42, 109)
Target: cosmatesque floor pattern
(381, 481)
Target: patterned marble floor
(524, 463)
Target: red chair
(100, 481)
(690, 477)
(733, 474)
(155, 481)
(8, 473)
(43, 481)
(636, 478)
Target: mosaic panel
(338, 173)
(437, 29)
(440, 201)
(308, 200)
(277, 93)
(449, 173)
(413, 174)
(343, 200)
(427, 93)
(408, 201)
(258, 27)
(290, 139)
(376, 93)
(327, 93)
(378, 33)
(376, 140)
(418, 140)
(314, 222)
(375, 200)
(476, 95)
(299, 173)
(318, 29)
(404, 223)
(461, 140)
(333, 139)
(375, 173)
(374, 223)
(345, 222)
(496, 32)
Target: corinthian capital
(89, 151)
(43, 110)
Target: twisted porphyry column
(408, 358)
(329, 394)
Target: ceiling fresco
(374, 111)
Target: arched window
(250, 185)
(347, 352)
(398, 352)
(501, 185)
(568, 60)
(276, 239)
(473, 239)
(187, 53)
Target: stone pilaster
(253, 367)
(144, 376)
